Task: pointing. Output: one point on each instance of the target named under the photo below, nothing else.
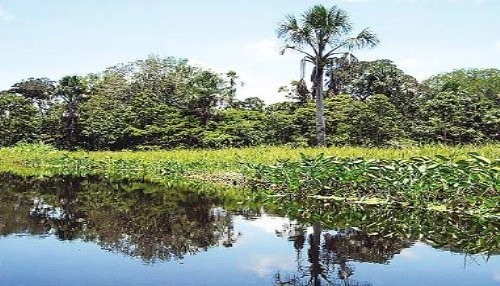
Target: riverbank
(454, 179)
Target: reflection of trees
(372, 234)
(355, 245)
(137, 219)
(330, 255)
(443, 230)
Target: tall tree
(71, 90)
(37, 90)
(19, 120)
(323, 36)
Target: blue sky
(53, 38)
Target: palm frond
(327, 25)
(316, 17)
(292, 32)
(339, 21)
(325, 31)
(365, 39)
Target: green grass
(231, 159)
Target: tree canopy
(167, 103)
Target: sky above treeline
(54, 38)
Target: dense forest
(168, 103)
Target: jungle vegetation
(166, 103)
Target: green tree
(19, 120)
(452, 117)
(72, 90)
(104, 124)
(296, 91)
(234, 127)
(375, 122)
(481, 82)
(249, 103)
(341, 108)
(37, 90)
(207, 91)
(323, 36)
(469, 100)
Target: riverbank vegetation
(168, 104)
(460, 179)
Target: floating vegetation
(466, 185)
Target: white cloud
(409, 63)
(415, 67)
(4, 15)
(262, 68)
(270, 224)
(409, 254)
(265, 265)
(204, 65)
(497, 45)
(259, 65)
(496, 276)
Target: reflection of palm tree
(316, 269)
(326, 267)
(298, 243)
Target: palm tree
(322, 35)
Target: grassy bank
(231, 160)
(438, 177)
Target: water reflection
(133, 218)
(330, 255)
(318, 244)
(373, 235)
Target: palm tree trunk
(320, 108)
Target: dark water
(69, 231)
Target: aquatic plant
(470, 184)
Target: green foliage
(156, 223)
(461, 106)
(234, 128)
(363, 80)
(37, 90)
(104, 123)
(384, 227)
(399, 175)
(323, 36)
(469, 185)
(452, 117)
(135, 218)
(250, 103)
(480, 82)
(19, 120)
(165, 103)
